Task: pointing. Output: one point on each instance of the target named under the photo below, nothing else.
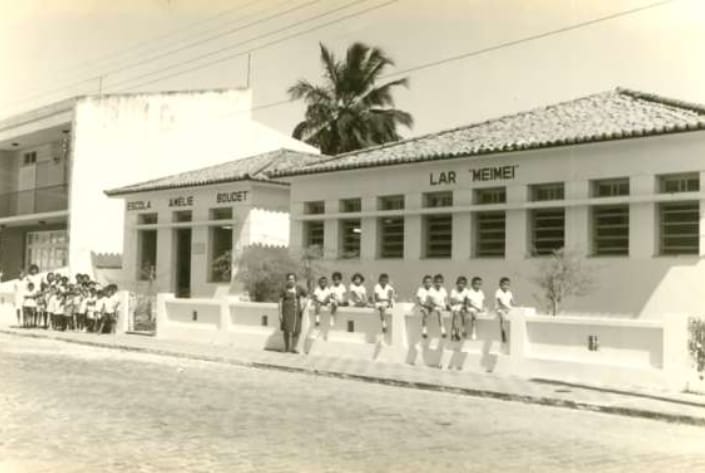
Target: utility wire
(476, 52)
(150, 59)
(256, 48)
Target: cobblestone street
(67, 408)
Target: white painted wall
(642, 284)
(124, 139)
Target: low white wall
(630, 352)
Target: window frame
(602, 212)
(682, 179)
(429, 199)
(535, 251)
(535, 191)
(695, 235)
(478, 240)
(427, 221)
(387, 239)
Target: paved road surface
(66, 408)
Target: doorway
(183, 262)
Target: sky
(52, 49)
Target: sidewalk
(670, 407)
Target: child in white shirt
(423, 301)
(475, 303)
(504, 301)
(458, 307)
(321, 298)
(439, 300)
(384, 298)
(29, 305)
(338, 295)
(357, 291)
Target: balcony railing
(32, 201)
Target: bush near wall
(696, 343)
(262, 271)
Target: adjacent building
(183, 232)
(616, 178)
(56, 161)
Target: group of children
(58, 303)
(464, 303)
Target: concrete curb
(311, 370)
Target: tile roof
(254, 168)
(613, 115)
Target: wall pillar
(676, 359)
(517, 225)
(643, 224)
(413, 229)
(462, 228)
(162, 319)
(577, 219)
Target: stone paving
(75, 408)
(669, 406)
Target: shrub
(561, 276)
(696, 343)
(262, 271)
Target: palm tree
(350, 111)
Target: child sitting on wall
(475, 304)
(424, 303)
(357, 292)
(504, 302)
(384, 298)
(321, 298)
(338, 295)
(458, 307)
(439, 300)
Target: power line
(526, 39)
(256, 48)
(503, 45)
(145, 43)
(169, 52)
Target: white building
(185, 231)
(56, 162)
(617, 177)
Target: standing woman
(291, 307)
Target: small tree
(562, 276)
(262, 271)
(696, 343)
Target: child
(90, 302)
(29, 305)
(423, 301)
(19, 298)
(458, 307)
(475, 303)
(51, 307)
(79, 299)
(70, 307)
(42, 296)
(358, 293)
(100, 310)
(112, 305)
(504, 301)
(439, 300)
(321, 298)
(338, 295)
(384, 298)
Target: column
(413, 229)
(462, 226)
(701, 222)
(331, 232)
(643, 224)
(296, 228)
(166, 268)
(517, 224)
(200, 251)
(577, 218)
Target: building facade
(183, 233)
(56, 161)
(615, 178)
